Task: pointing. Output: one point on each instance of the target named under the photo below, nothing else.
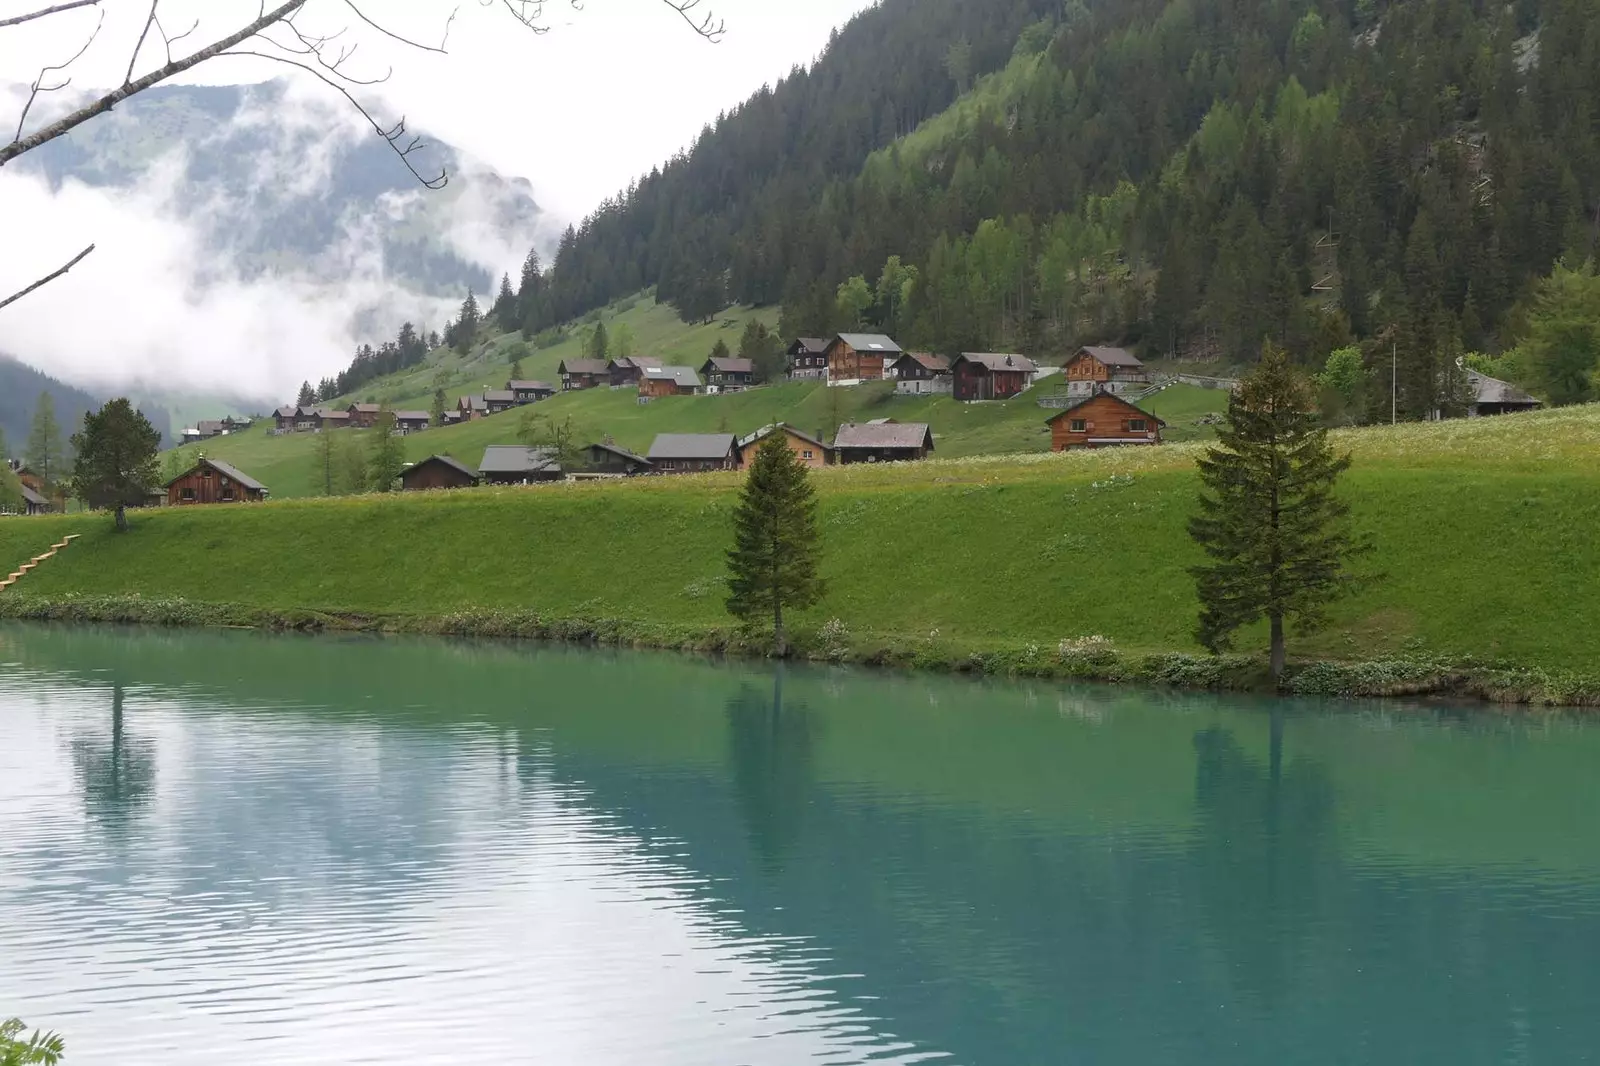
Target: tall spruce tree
(773, 564)
(307, 397)
(598, 345)
(386, 455)
(505, 307)
(437, 412)
(466, 326)
(116, 463)
(46, 455)
(1278, 538)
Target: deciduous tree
(1563, 342)
(18, 1048)
(773, 565)
(116, 463)
(1278, 538)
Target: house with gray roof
(854, 358)
(657, 381)
(1093, 369)
(438, 472)
(882, 442)
(214, 481)
(517, 464)
(584, 373)
(1491, 396)
(692, 453)
(808, 359)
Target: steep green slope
(1481, 529)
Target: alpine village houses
(438, 472)
(584, 374)
(213, 481)
(808, 359)
(921, 374)
(1117, 370)
(811, 451)
(728, 375)
(1100, 420)
(659, 381)
(986, 376)
(857, 357)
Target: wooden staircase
(28, 567)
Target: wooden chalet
(284, 419)
(990, 376)
(438, 472)
(584, 374)
(920, 374)
(1091, 370)
(857, 357)
(808, 359)
(728, 375)
(810, 450)
(328, 418)
(882, 442)
(526, 392)
(516, 464)
(208, 430)
(363, 415)
(1103, 420)
(470, 408)
(658, 381)
(53, 502)
(608, 460)
(1491, 396)
(690, 453)
(497, 400)
(213, 481)
(628, 369)
(407, 422)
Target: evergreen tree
(720, 350)
(436, 413)
(325, 463)
(466, 324)
(597, 346)
(505, 307)
(116, 459)
(46, 455)
(766, 355)
(386, 455)
(1278, 538)
(773, 564)
(307, 397)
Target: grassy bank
(1490, 586)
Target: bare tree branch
(40, 87)
(709, 26)
(48, 278)
(17, 20)
(148, 22)
(362, 15)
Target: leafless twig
(148, 22)
(48, 278)
(40, 87)
(17, 20)
(362, 15)
(708, 25)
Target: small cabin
(628, 369)
(921, 374)
(584, 374)
(1103, 420)
(471, 408)
(406, 422)
(690, 453)
(526, 392)
(1491, 396)
(728, 375)
(808, 359)
(882, 441)
(497, 400)
(1098, 369)
(658, 381)
(213, 481)
(284, 418)
(438, 472)
(363, 415)
(857, 357)
(516, 464)
(988, 376)
(811, 451)
(608, 460)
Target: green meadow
(1482, 530)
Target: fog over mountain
(248, 238)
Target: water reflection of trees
(117, 773)
(770, 751)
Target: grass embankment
(1483, 530)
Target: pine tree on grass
(387, 455)
(46, 456)
(1278, 538)
(116, 463)
(772, 566)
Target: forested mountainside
(20, 388)
(1189, 176)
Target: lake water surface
(243, 849)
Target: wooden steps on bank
(28, 567)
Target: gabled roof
(884, 435)
(927, 360)
(815, 345)
(1486, 389)
(1103, 396)
(286, 412)
(33, 498)
(619, 452)
(365, 408)
(516, 459)
(412, 416)
(766, 431)
(530, 386)
(471, 403)
(692, 446)
(633, 362)
(997, 362)
(585, 366)
(729, 366)
(1109, 356)
(213, 427)
(871, 343)
(498, 396)
(225, 470)
(328, 412)
(684, 376)
(447, 461)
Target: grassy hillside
(1482, 528)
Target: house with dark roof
(1491, 396)
(691, 453)
(469, 408)
(629, 368)
(608, 460)
(498, 400)
(883, 441)
(657, 381)
(857, 357)
(1100, 420)
(363, 415)
(812, 451)
(728, 375)
(516, 464)
(31, 503)
(213, 481)
(990, 376)
(584, 374)
(284, 418)
(921, 374)
(526, 392)
(808, 359)
(1098, 369)
(406, 422)
(206, 430)
(438, 472)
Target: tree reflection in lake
(117, 773)
(771, 752)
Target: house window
(1136, 425)
(188, 494)
(205, 475)
(1077, 425)
(227, 495)
(806, 454)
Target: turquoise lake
(227, 847)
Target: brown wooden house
(284, 418)
(1091, 370)
(628, 369)
(1103, 420)
(584, 374)
(921, 373)
(438, 472)
(988, 376)
(728, 375)
(857, 357)
(526, 392)
(406, 422)
(810, 450)
(213, 481)
(608, 460)
(363, 415)
(657, 381)
(497, 400)
(882, 442)
(470, 408)
(690, 453)
(808, 359)
(515, 464)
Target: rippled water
(232, 848)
